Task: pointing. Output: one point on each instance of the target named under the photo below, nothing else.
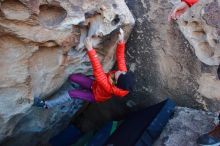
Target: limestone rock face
(186, 126)
(41, 43)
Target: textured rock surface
(201, 26)
(186, 126)
(165, 62)
(36, 37)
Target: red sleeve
(190, 2)
(119, 92)
(120, 56)
(98, 72)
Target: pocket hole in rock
(215, 41)
(14, 9)
(114, 6)
(206, 49)
(195, 26)
(51, 15)
(199, 33)
(91, 14)
(116, 20)
(194, 23)
(185, 22)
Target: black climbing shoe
(38, 102)
(210, 139)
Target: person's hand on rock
(121, 35)
(177, 11)
(88, 43)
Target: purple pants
(86, 84)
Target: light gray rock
(186, 126)
(164, 60)
(201, 27)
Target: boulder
(164, 55)
(41, 44)
(201, 27)
(164, 62)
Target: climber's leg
(82, 80)
(82, 94)
(58, 100)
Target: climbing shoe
(38, 102)
(210, 139)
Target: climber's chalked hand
(88, 43)
(121, 35)
(177, 11)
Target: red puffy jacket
(102, 88)
(190, 2)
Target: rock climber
(211, 138)
(104, 86)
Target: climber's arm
(120, 52)
(120, 55)
(98, 72)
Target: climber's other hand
(177, 11)
(121, 35)
(88, 43)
